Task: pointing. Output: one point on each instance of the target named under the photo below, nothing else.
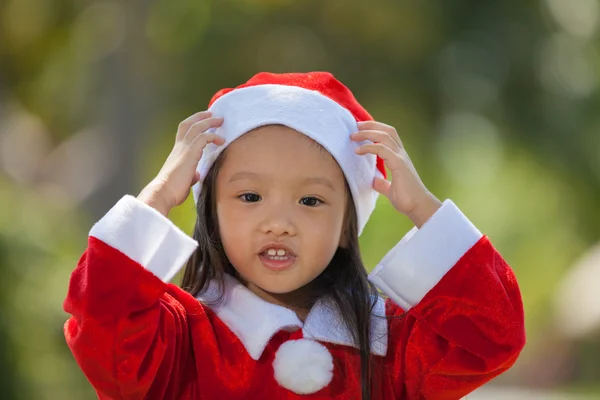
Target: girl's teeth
(276, 252)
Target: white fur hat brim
(308, 112)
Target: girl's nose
(278, 222)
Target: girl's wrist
(151, 196)
(424, 210)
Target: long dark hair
(344, 281)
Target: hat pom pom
(303, 366)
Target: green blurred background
(496, 102)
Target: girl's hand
(406, 191)
(172, 185)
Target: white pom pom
(303, 366)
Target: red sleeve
(128, 332)
(467, 329)
(464, 321)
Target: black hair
(344, 281)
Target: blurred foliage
(38, 240)
(496, 102)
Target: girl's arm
(456, 311)
(129, 329)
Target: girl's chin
(283, 293)
(278, 290)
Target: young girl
(276, 303)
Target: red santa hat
(314, 104)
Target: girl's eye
(250, 197)
(310, 201)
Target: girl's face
(278, 192)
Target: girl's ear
(344, 238)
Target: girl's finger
(202, 126)
(382, 186)
(376, 137)
(200, 142)
(391, 159)
(380, 126)
(185, 125)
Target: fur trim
(145, 236)
(423, 257)
(255, 321)
(307, 111)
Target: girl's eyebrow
(319, 181)
(306, 181)
(245, 175)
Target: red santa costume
(451, 321)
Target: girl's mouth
(277, 259)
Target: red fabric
(323, 82)
(136, 337)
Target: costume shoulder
(129, 328)
(456, 313)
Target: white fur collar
(254, 321)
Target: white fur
(324, 323)
(417, 263)
(303, 366)
(145, 236)
(255, 321)
(307, 111)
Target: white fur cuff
(145, 236)
(420, 260)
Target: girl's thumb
(196, 178)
